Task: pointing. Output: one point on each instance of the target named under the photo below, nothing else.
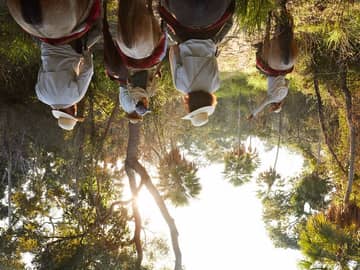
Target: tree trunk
(164, 211)
(319, 151)
(137, 217)
(352, 134)
(132, 163)
(322, 125)
(132, 154)
(106, 132)
(279, 141)
(9, 172)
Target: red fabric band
(265, 69)
(148, 62)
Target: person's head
(67, 117)
(199, 105)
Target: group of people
(188, 31)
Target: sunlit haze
(223, 228)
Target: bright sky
(223, 228)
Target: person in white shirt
(66, 30)
(197, 27)
(63, 80)
(195, 73)
(135, 102)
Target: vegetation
(62, 194)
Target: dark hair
(199, 99)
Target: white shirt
(277, 91)
(196, 67)
(129, 97)
(126, 100)
(64, 75)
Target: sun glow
(223, 229)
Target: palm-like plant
(178, 179)
(240, 164)
(265, 181)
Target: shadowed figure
(66, 30)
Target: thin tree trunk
(164, 211)
(239, 120)
(9, 172)
(108, 125)
(137, 217)
(132, 154)
(323, 128)
(352, 134)
(319, 151)
(279, 141)
(133, 163)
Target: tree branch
(132, 163)
(103, 138)
(137, 216)
(132, 152)
(322, 125)
(163, 209)
(352, 133)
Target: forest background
(81, 174)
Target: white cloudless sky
(223, 229)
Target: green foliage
(310, 189)
(286, 207)
(323, 241)
(178, 180)
(240, 164)
(265, 181)
(252, 14)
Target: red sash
(94, 15)
(155, 58)
(185, 32)
(266, 70)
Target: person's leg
(197, 13)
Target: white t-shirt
(196, 67)
(277, 91)
(129, 97)
(64, 75)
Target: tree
(310, 191)
(132, 165)
(178, 180)
(332, 246)
(240, 164)
(268, 178)
(265, 181)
